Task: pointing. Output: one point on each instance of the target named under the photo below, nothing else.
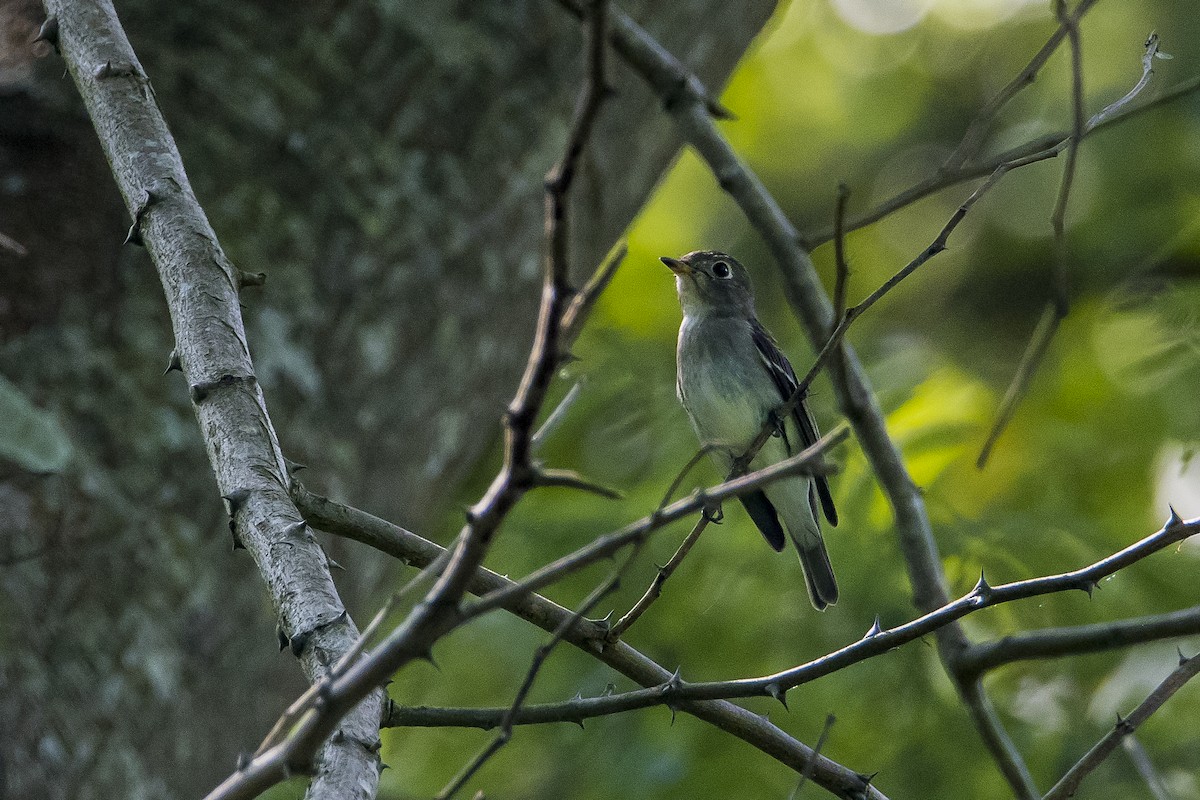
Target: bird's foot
(776, 423)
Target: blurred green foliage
(1099, 446)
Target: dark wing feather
(763, 513)
(784, 377)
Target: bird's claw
(713, 513)
(776, 423)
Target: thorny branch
(876, 642)
(1056, 309)
(589, 636)
(1058, 642)
(1069, 783)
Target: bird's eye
(721, 269)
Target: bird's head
(711, 283)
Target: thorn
(200, 391)
(134, 236)
(1087, 585)
(982, 587)
(675, 681)
(1123, 727)
(174, 363)
(779, 693)
(331, 564)
(428, 656)
(868, 779)
(293, 466)
(48, 32)
(250, 279)
(149, 198)
(243, 761)
(713, 513)
(874, 630)
(118, 69)
(236, 500)
(295, 529)
(299, 641)
(1182, 658)
(282, 636)
(777, 429)
(718, 111)
(1174, 519)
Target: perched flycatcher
(731, 376)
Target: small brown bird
(730, 376)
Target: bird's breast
(725, 408)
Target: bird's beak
(677, 266)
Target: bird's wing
(765, 518)
(784, 378)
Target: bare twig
(568, 479)
(654, 591)
(13, 246)
(1058, 217)
(1057, 308)
(976, 133)
(1069, 783)
(556, 417)
(830, 719)
(585, 299)
(1051, 143)
(636, 532)
(1112, 110)
(539, 658)
(1058, 642)
(1039, 343)
(1145, 767)
(841, 283)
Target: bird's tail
(797, 504)
(818, 572)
